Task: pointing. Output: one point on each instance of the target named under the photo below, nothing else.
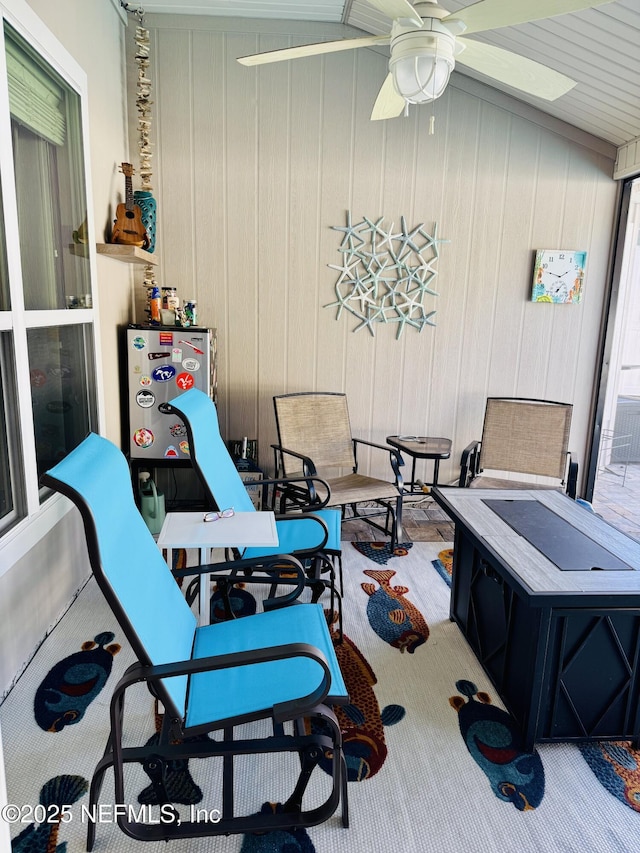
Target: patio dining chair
(274, 674)
(315, 438)
(521, 436)
(313, 537)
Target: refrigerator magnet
(184, 381)
(163, 373)
(145, 399)
(143, 437)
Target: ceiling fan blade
(311, 50)
(389, 104)
(493, 14)
(514, 70)
(397, 9)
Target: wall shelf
(79, 249)
(128, 254)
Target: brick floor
(617, 497)
(422, 521)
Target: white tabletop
(244, 529)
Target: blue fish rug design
(280, 841)
(392, 616)
(496, 746)
(616, 766)
(380, 552)
(240, 602)
(178, 781)
(55, 794)
(444, 565)
(73, 683)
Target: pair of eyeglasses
(214, 516)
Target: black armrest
(469, 463)
(307, 463)
(284, 482)
(310, 475)
(572, 476)
(395, 458)
(233, 568)
(299, 706)
(300, 516)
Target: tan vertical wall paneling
(304, 194)
(257, 164)
(273, 235)
(337, 196)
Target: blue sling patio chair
(312, 537)
(278, 666)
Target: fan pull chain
(432, 124)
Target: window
(48, 400)
(60, 378)
(11, 476)
(49, 175)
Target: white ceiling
(599, 48)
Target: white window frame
(39, 518)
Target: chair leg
(340, 628)
(335, 613)
(94, 794)
(345, 792)
(318, 586)
(309, 758)
(396, 530)
(156, 769)
(117, 712)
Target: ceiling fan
(425, 43)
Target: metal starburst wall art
(385, 276)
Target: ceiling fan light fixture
(421, 79)
(421, 64)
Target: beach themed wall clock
(558, 275)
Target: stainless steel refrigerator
(159, 362)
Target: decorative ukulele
(127, 226)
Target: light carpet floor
(417, 788)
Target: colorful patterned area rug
(435, 764)
(380, 552)
(443, 564)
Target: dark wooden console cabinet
(561, 647)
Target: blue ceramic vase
(148, 209)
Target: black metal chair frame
(471, 458)
(291, 494)
(177, 739)
(318, 561)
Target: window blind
(35, 100)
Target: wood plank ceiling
(599, 48)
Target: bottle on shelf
(170, 300)
(155, 306)
(190, 312)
